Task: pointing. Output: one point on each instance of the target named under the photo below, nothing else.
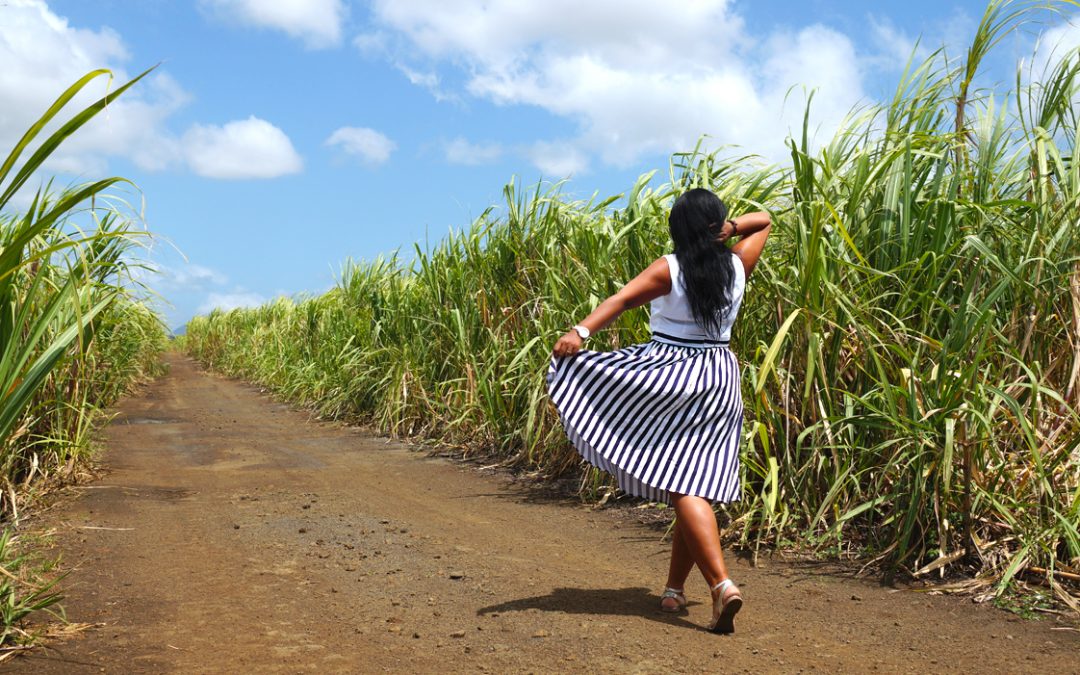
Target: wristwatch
(582, 331)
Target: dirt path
(243, 537)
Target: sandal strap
(671, 593)
(723, 585)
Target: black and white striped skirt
(659, 417)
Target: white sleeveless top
(672, 322)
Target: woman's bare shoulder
(660, 269)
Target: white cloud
(815, 56)
(371, 44)
(1053, 48)
(184, 277)
(197, 274)
(895, 45)
(378, 44)
(227, 301)
(1054, 44)
(428, 80)
(318, 23)
(251, 148)
(462, 151)
(633, 75)
(42, 55)
(367, 144)
(188, 276)
(558, 159)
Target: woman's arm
(753, 230)
(654, 282)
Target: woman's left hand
(568, 344)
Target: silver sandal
(724, 610)
(675, 594)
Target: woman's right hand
(754, 229)
(568, 344)
(727, 231)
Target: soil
(232, 533)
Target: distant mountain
(179, 330)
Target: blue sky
(278, 138)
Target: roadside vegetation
(75, 334)
(910, 343)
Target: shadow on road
(634, 601)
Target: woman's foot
(727, 601)
(672, 600)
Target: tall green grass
(75, 333)
(910, 343)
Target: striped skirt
(658, 417)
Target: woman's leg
(682, 560)
(681, 564)
(702, 538)
(697, 522)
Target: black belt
(690, 342)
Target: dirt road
(233, 534)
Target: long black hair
(707, 266)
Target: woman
(665, 417)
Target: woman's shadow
(597, 601)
